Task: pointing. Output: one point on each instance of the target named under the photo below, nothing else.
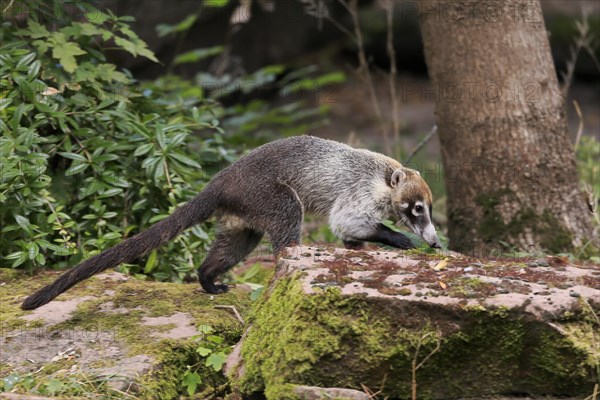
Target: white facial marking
(404, 205)
(429, 234)
(414, 210)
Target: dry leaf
(441, 265)
(50, 91)
(442, 285)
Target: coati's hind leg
(284, 225)
(234, 241)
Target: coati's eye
(419, 208)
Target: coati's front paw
(212, 288)
(216, 289)
(220, 289)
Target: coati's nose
(435, 245)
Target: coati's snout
(417, 216)
(413, 202)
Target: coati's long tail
(193, 212)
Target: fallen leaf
(442, 285)
(441, 265)
(50, 91)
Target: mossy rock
(115, 332)
(334, 320)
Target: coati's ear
(397, 178)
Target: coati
(268, 191)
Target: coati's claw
(220, 289)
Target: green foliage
(78, 385)
(256, 277)
(190, 381)
(88, 160)
(91, 156)
(253, 120)
(213, 349)
(588, 163)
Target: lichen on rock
(326, 322)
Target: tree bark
(509, 166)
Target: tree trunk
(510, 170)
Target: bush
(91, 156)
(86, 159)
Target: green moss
(141, 299)
(491, 224)
(16, 286)
(330, 340)
(557, 364)
(492, 229)
(282, 392)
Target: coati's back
(319, 170)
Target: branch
(389, 10)
(421, 144)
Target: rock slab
(133, 338)
(356, 319)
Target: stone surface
(134, 336)
(318, 393)
(338, 318)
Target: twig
(363, 68)
(416, 366)
(421, 144)
(584, 41)
(83, 148)
(389, 9)
(594, 395)
(8, 6)
(235, 311)
(580, 128)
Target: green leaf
(136, 47)
(186, 160)
(96, 16)
(76, 169)
(65, 52)
(40, 259)
(33, 250)
(159, 171)
(205, 329)
(190, 381)
(22, 258)
(214, 339)
(91, 30)
(143, 149)
(73, 156)
(25, 60)
(10, 381)
(54, 386)
(35, 30)
(216, 361)
(197, 55)
(152, 262)
(161, 139)
(203, 351)
(23, 223)
(216, 3)
(34, 69)
(255, 295)
(164, 29)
